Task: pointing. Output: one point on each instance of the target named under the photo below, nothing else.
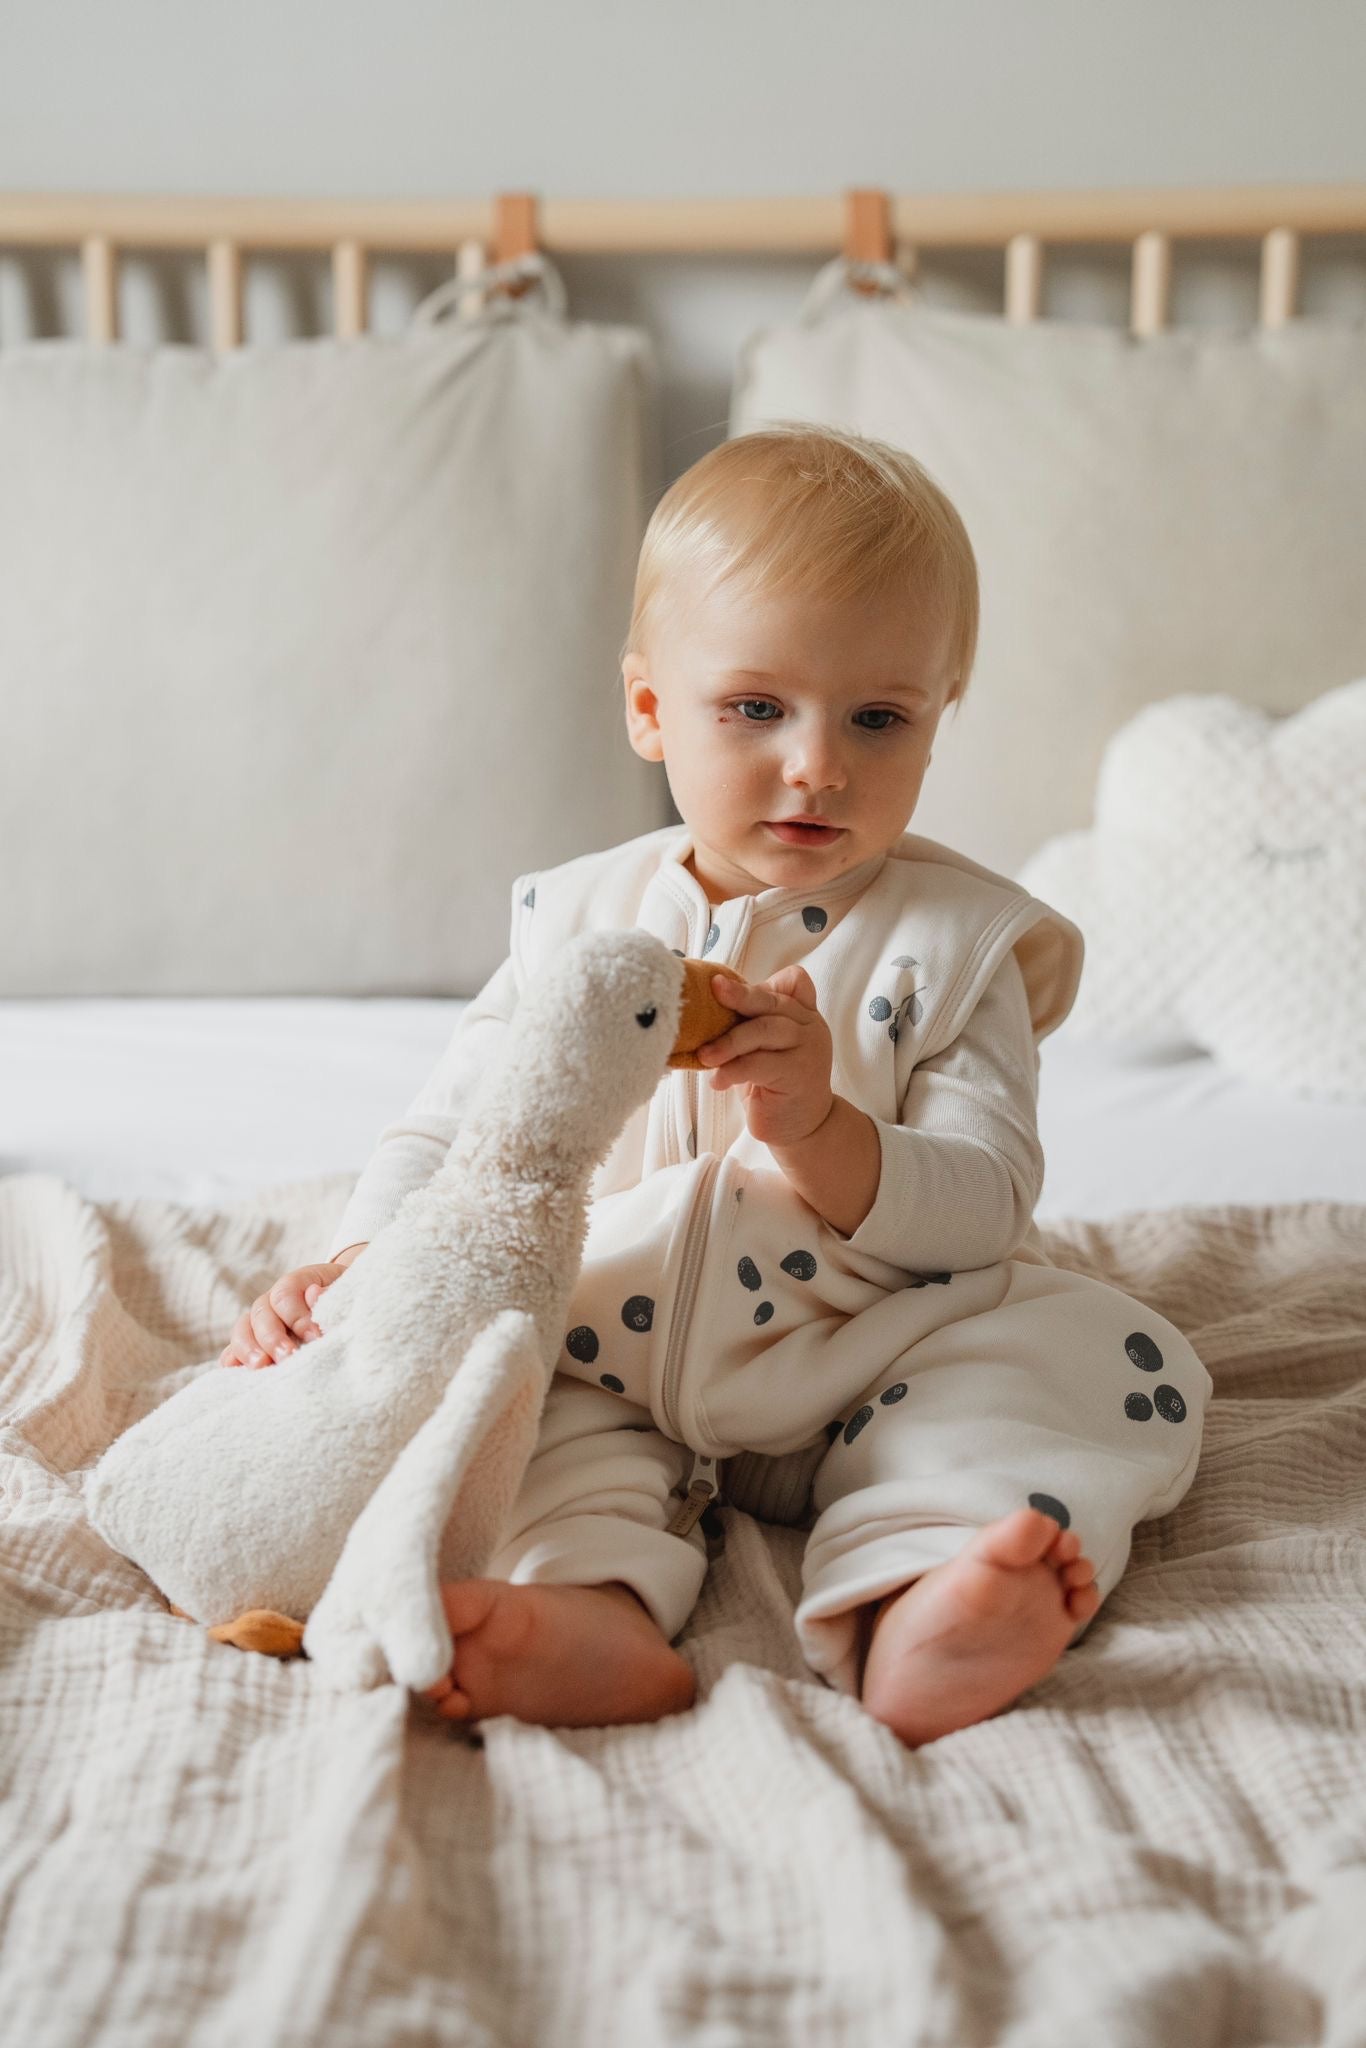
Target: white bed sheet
(202, 1101)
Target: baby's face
(763, 708)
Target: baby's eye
(764, 704)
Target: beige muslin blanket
(1163, 1843)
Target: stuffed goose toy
(339, 1489)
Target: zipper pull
(703, 1487)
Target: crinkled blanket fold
(1164, 1842)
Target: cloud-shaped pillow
(1222, 888)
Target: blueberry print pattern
(1166, 1401)
(582, 1343)
(859, 1421)
(929, 1280)
(530, 898)
(713, 935)
(814, 918)
(856, 1423)
(801, 1265)
(638, 1313)
(1046, 1505)
(881, 1007)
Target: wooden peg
(225, 293)
(1150, 283)
(100, 268)
(1024, 279)
(867, 231)
(1280, 279)
(471, 261)
(350, 289)
(515, 234)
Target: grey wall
(585, 98)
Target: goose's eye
(645, 1018)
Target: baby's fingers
(242, 1347)
(269, 1332)
(295, 1295)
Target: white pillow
(307, 651)
(1222, 889)
(1150, 517)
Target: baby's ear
(702, 1017)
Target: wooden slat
(515, 234)
(100, 266)
(225, 295)
(1024, 279)
(350, 289)
(470, 259)
(867, 233)
(1151, 287)
(805, 226)
(1280, 276)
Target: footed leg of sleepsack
(1069, 1396)
(380, 1614)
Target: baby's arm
(409, 1151)
(963, 1167)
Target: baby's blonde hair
(799, 507)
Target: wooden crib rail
(867, 224)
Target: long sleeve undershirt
(962, 1169)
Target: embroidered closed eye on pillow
(1222, 887)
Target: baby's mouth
(798, 832)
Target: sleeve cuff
(885, 1231)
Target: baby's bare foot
(964, 1640)
(561, 1656)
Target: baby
(824, 1242)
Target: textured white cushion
(1150, 517)
(1222, 890)
(307, 651)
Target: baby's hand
(281, 1319)
(780, 1054)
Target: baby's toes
(1081, 1572)
(1082, 1601)
(444, 1700)
(1064, 1547)
(455, 1707)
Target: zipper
(703, 1488)
(689, 1272)
(703, 1485)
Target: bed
(1165, 1841)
